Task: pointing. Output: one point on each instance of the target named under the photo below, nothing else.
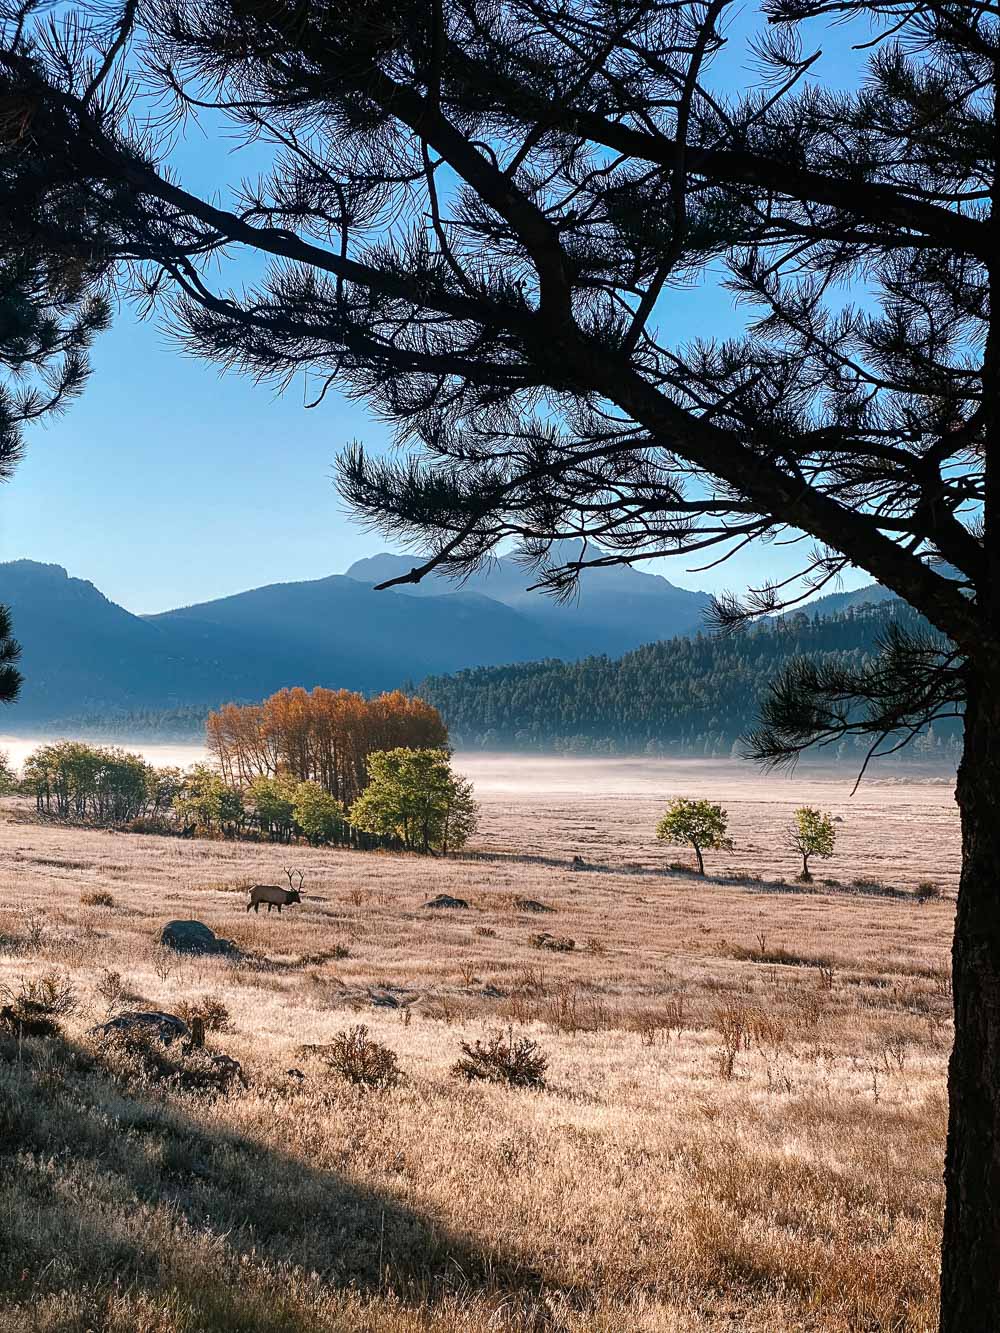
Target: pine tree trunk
(970, 1265)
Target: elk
(274, 895)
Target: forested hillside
(693, 696)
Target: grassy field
(742, 1125)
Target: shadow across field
(138, 1199)
(753, 882)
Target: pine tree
(477, 212)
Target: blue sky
(169, 483)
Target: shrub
(502, 1058)
(487, 932)
(112, 989)
(157, 824)
(139, 1056)
(361, 1060)
(732, 1023)
(558, 943)
(928, 890)
(211, 1009)
(33, 1010)
(97, 898)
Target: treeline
(181, 722)
(104, 784)
(693, 696)
(111, 787)
(322, 736)
(328, 766)
(413, 801)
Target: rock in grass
(165, 1027)
(531, 905)
(446, 900)
(192, 937)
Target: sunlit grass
(730, 1135)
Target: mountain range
(85, 656)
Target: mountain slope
(695, 695)
(82, 652)
(337, 631)
(617, 608)
(85, 656)
(872, 594)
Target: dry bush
(564, 1010)
(164, 962)
(568, 1009)
(530, 981)
(211, 1009)
(503, 1058)
(34, 931)
(649, 1028)
(674, 1015)
(138, 1057)
(487, 932)
(358, 1058)
(97, 898)
(557, 943)
(51, 993)
(596, 947)
(869, 884)
(151, 824)
(112, 989)
(740, 1026)
(928, 890)
(731, 1021)
(33, 1010)
(241, 885)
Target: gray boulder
(446, 900)
(192, 937)
(165, 1027)
(531, 905)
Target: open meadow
(742, 1123)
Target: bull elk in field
(274, 895)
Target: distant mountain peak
(506, 577)
(25, 566)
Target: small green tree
(414, 795)
(273, 802)
(71, 778)
(812, 834)
(319, 815)
(165, 785)
(8, 775)
(208, 802)
(698, 824)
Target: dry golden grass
(741, 1128)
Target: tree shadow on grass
(121, 1198)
